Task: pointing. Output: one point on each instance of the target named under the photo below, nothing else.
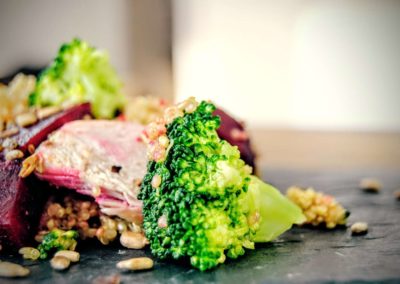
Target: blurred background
(317, 82)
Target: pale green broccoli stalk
(276, 212)
(199, 199)
(57, 240)
(80, 73)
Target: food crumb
(60, 263)
(359, 228)
(12, 270)
(370, 185)
(116, 169)
(111, 279)
(136, 264)
(397, 195)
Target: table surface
(328, 150)
(300, 255)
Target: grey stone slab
(302, 255)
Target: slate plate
(300, 255)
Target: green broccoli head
(80, 73)
(57, 240)
(199, 199)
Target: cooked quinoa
(319, 208)
(83, 215)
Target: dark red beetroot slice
(21, 205)
(233, 131)
(22, 200)
(38, 132)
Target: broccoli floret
(199, 199)
(57, 240)
(80, 73)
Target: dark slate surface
(300, 255)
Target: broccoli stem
(273, 211)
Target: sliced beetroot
(38, 132)
(22, 200)
(21, 205)
(233, 131)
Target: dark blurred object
(234, 132)
(25, 70)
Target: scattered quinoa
(155, 133)
(151, 108)
(319, 208)
(84, 216)
(14, 99)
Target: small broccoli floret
(199, 199)
(80, 73)
(57, 240)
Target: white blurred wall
(292, 63)
(289, 63)
(136, 34)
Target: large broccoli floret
(199, 199)
(80, 73)
(57, 240)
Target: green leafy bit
(57, 240)
(80, 73)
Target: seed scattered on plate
(359, 228)
(14, 154)
(45, 112)
(138, 263)
(25, 119)
(31, 148)
(60, 262)
(371, 185)
(29, 253)
(73, 256)
(8, 133)
(111, 279)
(9, 269)
(133, 240)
